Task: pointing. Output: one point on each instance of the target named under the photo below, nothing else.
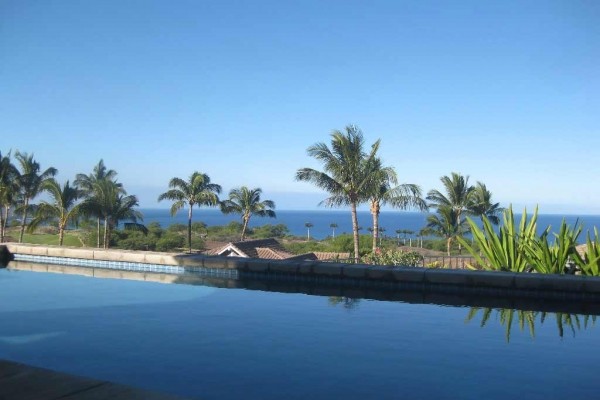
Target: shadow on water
(5, 256)
(527, 320)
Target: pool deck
(20, 382)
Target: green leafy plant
(395, 257)
(554, 258)
(504, 250)
(589, 262)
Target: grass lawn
(71, 239)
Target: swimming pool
(217, 343)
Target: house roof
(273, 250)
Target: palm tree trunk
(106, 233)
(448, 245)
(98, 232)
(190, 228)
(375, 214)
(355, 231)
(7, 213)
(23, 220)
(61, 235)
(2, 225)
(246, 220)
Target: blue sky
(507, 92)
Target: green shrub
(394, 257)
(170, 242)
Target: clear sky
(507, 92)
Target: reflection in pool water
(214, 343)
(527, 320)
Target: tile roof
(273, 250)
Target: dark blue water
(322, 219)
(209, 343)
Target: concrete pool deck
(20, 382)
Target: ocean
(322, 219)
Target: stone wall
(523, 284)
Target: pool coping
(575, 287)
(21, 381)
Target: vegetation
(197, 191)
(30, 183)
(91, 185)
(347, 172)
(62, 209)
(395, 257)
(8, 190)
(382, 190)
(247, 202)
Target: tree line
(101, 197)
(354, 174)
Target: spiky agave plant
(504, 250)
(589, 262)
(554, 258)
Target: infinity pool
(213, 343)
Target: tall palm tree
(458, 195)
(308, 225)
(383, 189)
(63, 208)
(445, 224)
(247, 202)
(347, 172)
(31, 182)
(112, 204)
(8, 190)
(87, 184)
(481, 204)
(198, 190)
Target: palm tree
(8, 190)
(87, 184)
(382, 191)
(308, 225)
(247, 202)
(62, 208)
(481, 204)
(198, 190)
(458, 196)
(347, 172)
(445, 224)
(31, 183)
(111, 203)
(333, 226)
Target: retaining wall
(522, 284)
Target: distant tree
(62, 209)
(458, 196)
(8, 190)
(481, 204)
(308, 225)
(30, 181)
(383, 189)
(88, 184)
(247, 202)
(333, 226)
(111, 202)
(445, 224)
(347, 172)
(198, 190)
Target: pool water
(213, 343)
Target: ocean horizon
(295, 220)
